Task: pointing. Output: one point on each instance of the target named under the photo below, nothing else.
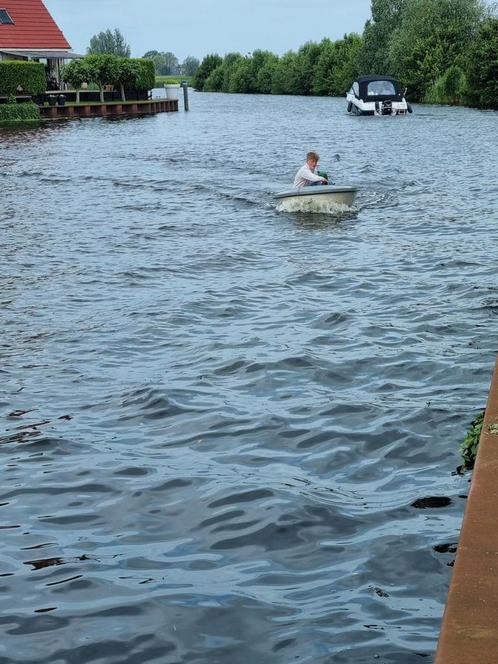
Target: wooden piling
(185, 95)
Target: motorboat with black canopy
(377, 95)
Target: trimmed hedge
(25, 112)
(147, 78)
(103, 69)
(30, 76)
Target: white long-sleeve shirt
(304, 176)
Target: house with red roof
(28, 32)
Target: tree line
(443, 51)
(112, 42)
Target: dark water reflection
(229, 433)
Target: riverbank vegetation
(468, 449)
(172, 80)
(12, 111)
(444, 51)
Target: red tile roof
(33, 26)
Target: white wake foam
(297, 204)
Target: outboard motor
(387, 107)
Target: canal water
(230, 433)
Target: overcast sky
(199, 27)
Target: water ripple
(230, 432)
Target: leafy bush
(17, 74)
(449, 88)
(209, 63)
(25, 112)
(468, 449)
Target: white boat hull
(360, 107)
(319, 195)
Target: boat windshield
(381, 88)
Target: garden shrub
(16, 74)
(25, 112)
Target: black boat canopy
(377, 88)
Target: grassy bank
(171, 80)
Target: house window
(5, 17)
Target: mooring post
(185, 94)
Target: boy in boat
(306, 175)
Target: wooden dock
(109, 109)
(469, 633)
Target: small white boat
(318, 197)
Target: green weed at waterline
(468, 449)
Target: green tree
(157, 58)
(262, 65)
(170, 64)
(433, 35)
(208, 64)
(265, 74)
(220, 78)
(189, 66)
(482, 66)
(286, 75)
(301, 78)
(337, 65)
(230, 64)
(164, 63)
(325, 66)
(374, 55)
(347, 52)
(241, 79)
(214, 82)
(109, 42)
(104, 70)
(293, 74)
(127, 75)
(76, 73)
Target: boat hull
(322, 194)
